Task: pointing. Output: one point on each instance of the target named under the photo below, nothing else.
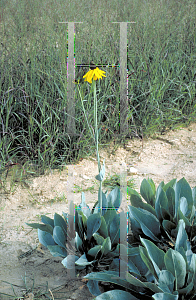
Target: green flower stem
(85, 113)
(96, 136)
(95, 120)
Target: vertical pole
(123, 257)
(71, 220)
(71, 128)
(123, 80)
(123, 110)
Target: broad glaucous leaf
(171, 184)
(147, 191)
(116, 295)
(184, 206)
(94, 288)
(119, 264)
(192, 270)
(194, 195)
(136, 201)
(99, 239)
(114, 199)
(168, 226)
(47, 220)
(93, 224)
(44, 227)
(181, 240)
(193, 214)
(124, 248)
(113, 277)
(56, 250)
(165, 296)
(135, 226)
(109, 216)
(180, 215)
(166, 281)
(69, 262)
(79, 224)
(152, 184)
(118, 228)
(147, 261)
(59, 237)
(149, 223)
(142, 285)
(182, 189)
(103, 229)
(171, 199)
(155, 254)
(187, 289)
(45, 238)
(59, 221)
(187, 193)
(161, 202)
(82, 261)
(176, 264)
(106, 246)
(135, 262)
(78, 243)
(83, 218)
(94, 251)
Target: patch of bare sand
(169, 156)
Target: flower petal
(94, 74)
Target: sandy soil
(168, 156)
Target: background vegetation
(33, 74)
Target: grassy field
(33, 74)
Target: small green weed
(110, 183)
(59, 198)
(114, 181)
(32, 292)
(78, 189)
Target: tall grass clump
(33, 82)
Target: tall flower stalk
(91, 76)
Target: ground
(172, 155)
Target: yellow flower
(94, 74)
